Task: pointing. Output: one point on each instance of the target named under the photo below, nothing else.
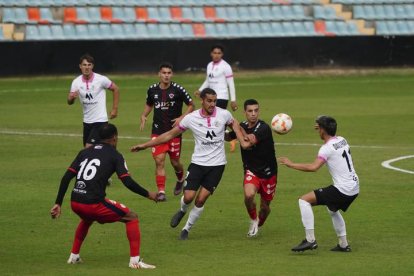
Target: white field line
(250, 84)
(386, 164)
(144, 138)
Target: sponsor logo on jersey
(171, 95)
(89, 96)
(164, 105)
(210, 134)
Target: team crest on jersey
(217, 123)
(80, 185)
(171, 95)
(155, 96)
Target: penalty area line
(387, 164)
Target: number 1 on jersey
(345, 155)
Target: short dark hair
(88, 58)
(207, 91)
(107, 131)
(217, 46)
(165, 64)
(250, 102)
(327, 123)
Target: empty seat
(31, 33)
(211, 13)
(141, 30)
(176, 14)
(127, 13)
(107, 15)
(117, 31)
(45, 32)
(57, 31)
(94, 32)
(277, 29)
(46, 14)
(129, 30)
(199, 30)
(15, 15)
(266, 13)
(70, 16)
(142, 14)
(288, 28)
(69, 31)
(153, 30)
(81, 31)
(187, 30)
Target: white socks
(184, 207)
(339, 226)
(193, 217)
(134, 260)
(307, 219)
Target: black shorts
(90, 132)
(205, 176)
(333, 198)
(222, 103)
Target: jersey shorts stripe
(266, 187)
(107, 211)
(333, 198)
(205, 176)
(172, 147)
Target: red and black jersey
(260, 159)
(93, 167)
(167, 104)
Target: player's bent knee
(130, 216)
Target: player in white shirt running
(208, 160)
(337, 155)
(90, 88)
(220, 79)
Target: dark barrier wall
(61, 57)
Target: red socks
(160, 180)
(252, 213)
(134, 237)
(179, 175)
(80, 235)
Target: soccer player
(208, 160)
(220, 79)
(92, 167)
(259, 164)
(91, 87)
(166, 98)
(336, 154)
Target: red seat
(106, 14)
(210, 14)
(177, 14)
(70, 16)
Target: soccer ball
(282, 123)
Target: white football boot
(140, 265)
(254, 228)
(74, 259)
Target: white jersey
(208, 133)
(337, 155)
(219, 77)
(92, 96)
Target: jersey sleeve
(149, 101)
(74, 86)
(185, 97)
(185, 122)
(121, 167)
(228, 72)
(324, 153)
(106, 82)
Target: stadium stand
(203, 19)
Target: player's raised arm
(306, 167)
(115, 91)
(159, 140)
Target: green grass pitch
(40, 136)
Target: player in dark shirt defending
(166, 98)
(259, 164)
(92, 168)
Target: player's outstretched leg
(176, 219)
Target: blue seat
(379, 12)
(266, 29)
(32, 33)
(288, 28)
(45, 33)
(244, 30)
(20, 16)
(1, 34)
(277, 29)
(242, 13)
(198, 14)
(299, 28)
(389, 12)
(277, 13)
(117, 31)
(94, 15)
(232, 14)
(105, 31)
(221, 30)
(165, 15)
(187, 31)
(82, 14)
(221, 12)
(287, 12)
(266, 13)
(46, 14)
(358, 12)
(129, 15)
(233, 29)
(69, 31)
(310, 28)
(298, 12)
(381, 28)
(141, 30)
(401, 12)
(188, 13)
(153, 30)
(402, 27)
(255, 30)
(81, 31)
(165, 31)
(254, 12)
(93, 31)
(353, 29)
(153, 13)
(129, 30)
(369, 12)
(210, 29)
(392, 27)
(57, 32)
